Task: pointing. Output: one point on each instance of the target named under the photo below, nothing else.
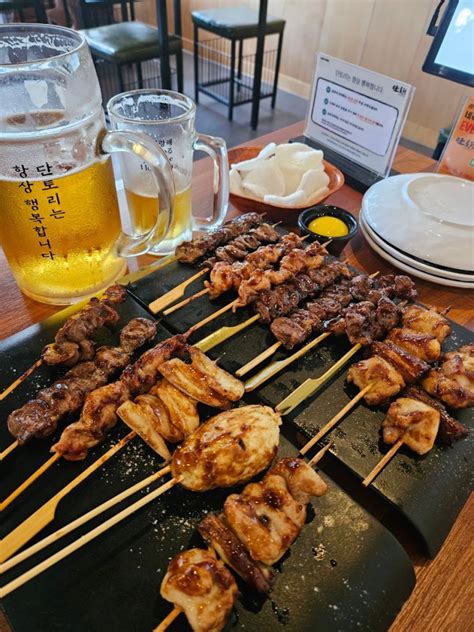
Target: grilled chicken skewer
(72, 343)
(220, 270)
(256, 528)
(230, 448)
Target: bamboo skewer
(319, 455)
(382, 463)
(78, 522)
(8, 450)
(311, 385)
(83, 540)
(168, 620)
(330, 424)
(29, 481)
(20, 379)
(258, 359)
(274, 367)
(223, 333)
(173, 295)
(45, 514)
(212, 316)
(186, 301)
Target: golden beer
(143, 207)
(59, 233)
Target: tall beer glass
(59, 217)
(168, 118)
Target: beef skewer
(361, 321)
(264, 255)
(72, 342)
(39, 417)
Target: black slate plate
(429, 491)
(20, 350)
(345, 571)
(430, 507)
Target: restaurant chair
(24, 10)
(128, 42)
(237, 25)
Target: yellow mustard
(328, 226)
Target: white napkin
(285, 175)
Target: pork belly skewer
(39, 417)
(194, 250)
(72, 342)
(230, 448)
(224, 275)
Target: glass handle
(145, 149)
(217, 150)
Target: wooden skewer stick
(212, 316)
(45, 514)
(319, 455)
(173, 295)
(186, 301)
(78, 522)
(83, 540)
(8, 450)
(167, 621)
(20, 379)
(29, 481)
(330, 424)
(223, 333)
(275, 367)
(382, 463)
(311, 385)
(258, 360)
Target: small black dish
(337, 243)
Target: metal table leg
(257, 80)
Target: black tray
(428, 491)
(345, 571)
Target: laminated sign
(357, 113)
(458, 155)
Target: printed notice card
(458, 155)
(357, 113)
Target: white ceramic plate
(415, 263)
(410, 270)
(428, 216)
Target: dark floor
(212, 116)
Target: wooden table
(443, 598)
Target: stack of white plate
(423, 224)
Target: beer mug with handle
(168, 117)
(59, 217)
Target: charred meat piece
(427, 321)
(228, 546)
(295, 330)
(202, 587)
(422, 345)
(192, 251)
(376, 372)
(99, 413)
(268, 516)
(453, 381)
(412, 421)
(229, 448)
(71, 343)
(450, 429)
(39, 418)
(410, 367)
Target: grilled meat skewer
(241, 246)
(72, 341)
(192, 251)
(39, 417)
(453, 380)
